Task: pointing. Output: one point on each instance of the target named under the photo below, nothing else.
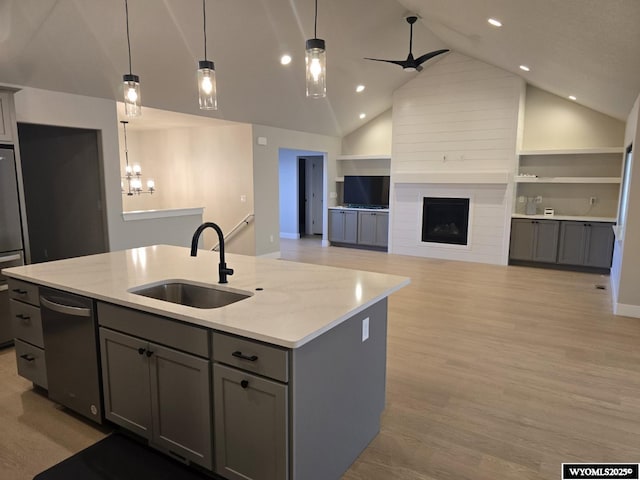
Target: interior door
(63, 188)
(315, 197)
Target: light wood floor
(493, 373)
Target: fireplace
(445, 220)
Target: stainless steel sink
(191, 294)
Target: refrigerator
(11, 244)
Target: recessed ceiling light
(360, 88)
(285, 59)
(525, 68)
(362, 115)
(494, 22)
(571, 97)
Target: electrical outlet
(365, 329)
(243, 199)
(592, 200)
(539, 199)
(521, 199)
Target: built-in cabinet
(343, 226)
(562, 242)
(359, 227)
(373, 229)
(586, 243)
(26, 322)
(157, 381)
(251, 400)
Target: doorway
(310, 192)
(63, 188)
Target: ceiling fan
(412, 64)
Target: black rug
(118, 457)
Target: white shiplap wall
(458, 115)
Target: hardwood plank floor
(493, 372)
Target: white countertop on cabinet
(298, 302)
(577, 218)
(358, 209)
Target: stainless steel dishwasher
(70, 336)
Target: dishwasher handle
(65, 309)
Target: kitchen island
(288, 383)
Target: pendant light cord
(204, 21)
(315, 22)
(126, 10)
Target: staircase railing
(245, 221)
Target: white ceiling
(587, 48)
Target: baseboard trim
(291, 236)
(626, 310)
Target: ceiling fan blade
(402, 63)
(427, 56)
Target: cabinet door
(571, 249)
(522, 236)
(382, 229)
(350, 227)
(599, 245)
(181, 404)
(251, 430)
(546, 241)
(125, 379)
(367, 228)
(336, 225)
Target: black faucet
(223, 271)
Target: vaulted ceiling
(586, 48)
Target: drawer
(267, 360)
(31, 362)
(23, 291)
(165, 331)
(26, 322)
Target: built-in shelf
(364, 157)
(579, 218)
(567, 179)
(576, 151)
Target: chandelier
(133, 175)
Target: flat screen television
(366, 191)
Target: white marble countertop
(358, 209)
(298, 302)
(565, 217)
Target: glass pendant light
(207, 91)
(131, 82)
(316, 63)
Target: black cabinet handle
(20, 291)
(23, 317)
(149, 353)
(244, 383)
(239, 354)
(141, 350)
(28, 357)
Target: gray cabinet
(251, 410)
(343, 226)
(26, 323)
(534, 240)
(251, 426)
(587, 244)
(373, 228)
(160, 393)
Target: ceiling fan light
(316, 68)
(409, 69)
(131, 94)
(207, 89)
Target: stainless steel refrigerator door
(10, 226)
(6, 332)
